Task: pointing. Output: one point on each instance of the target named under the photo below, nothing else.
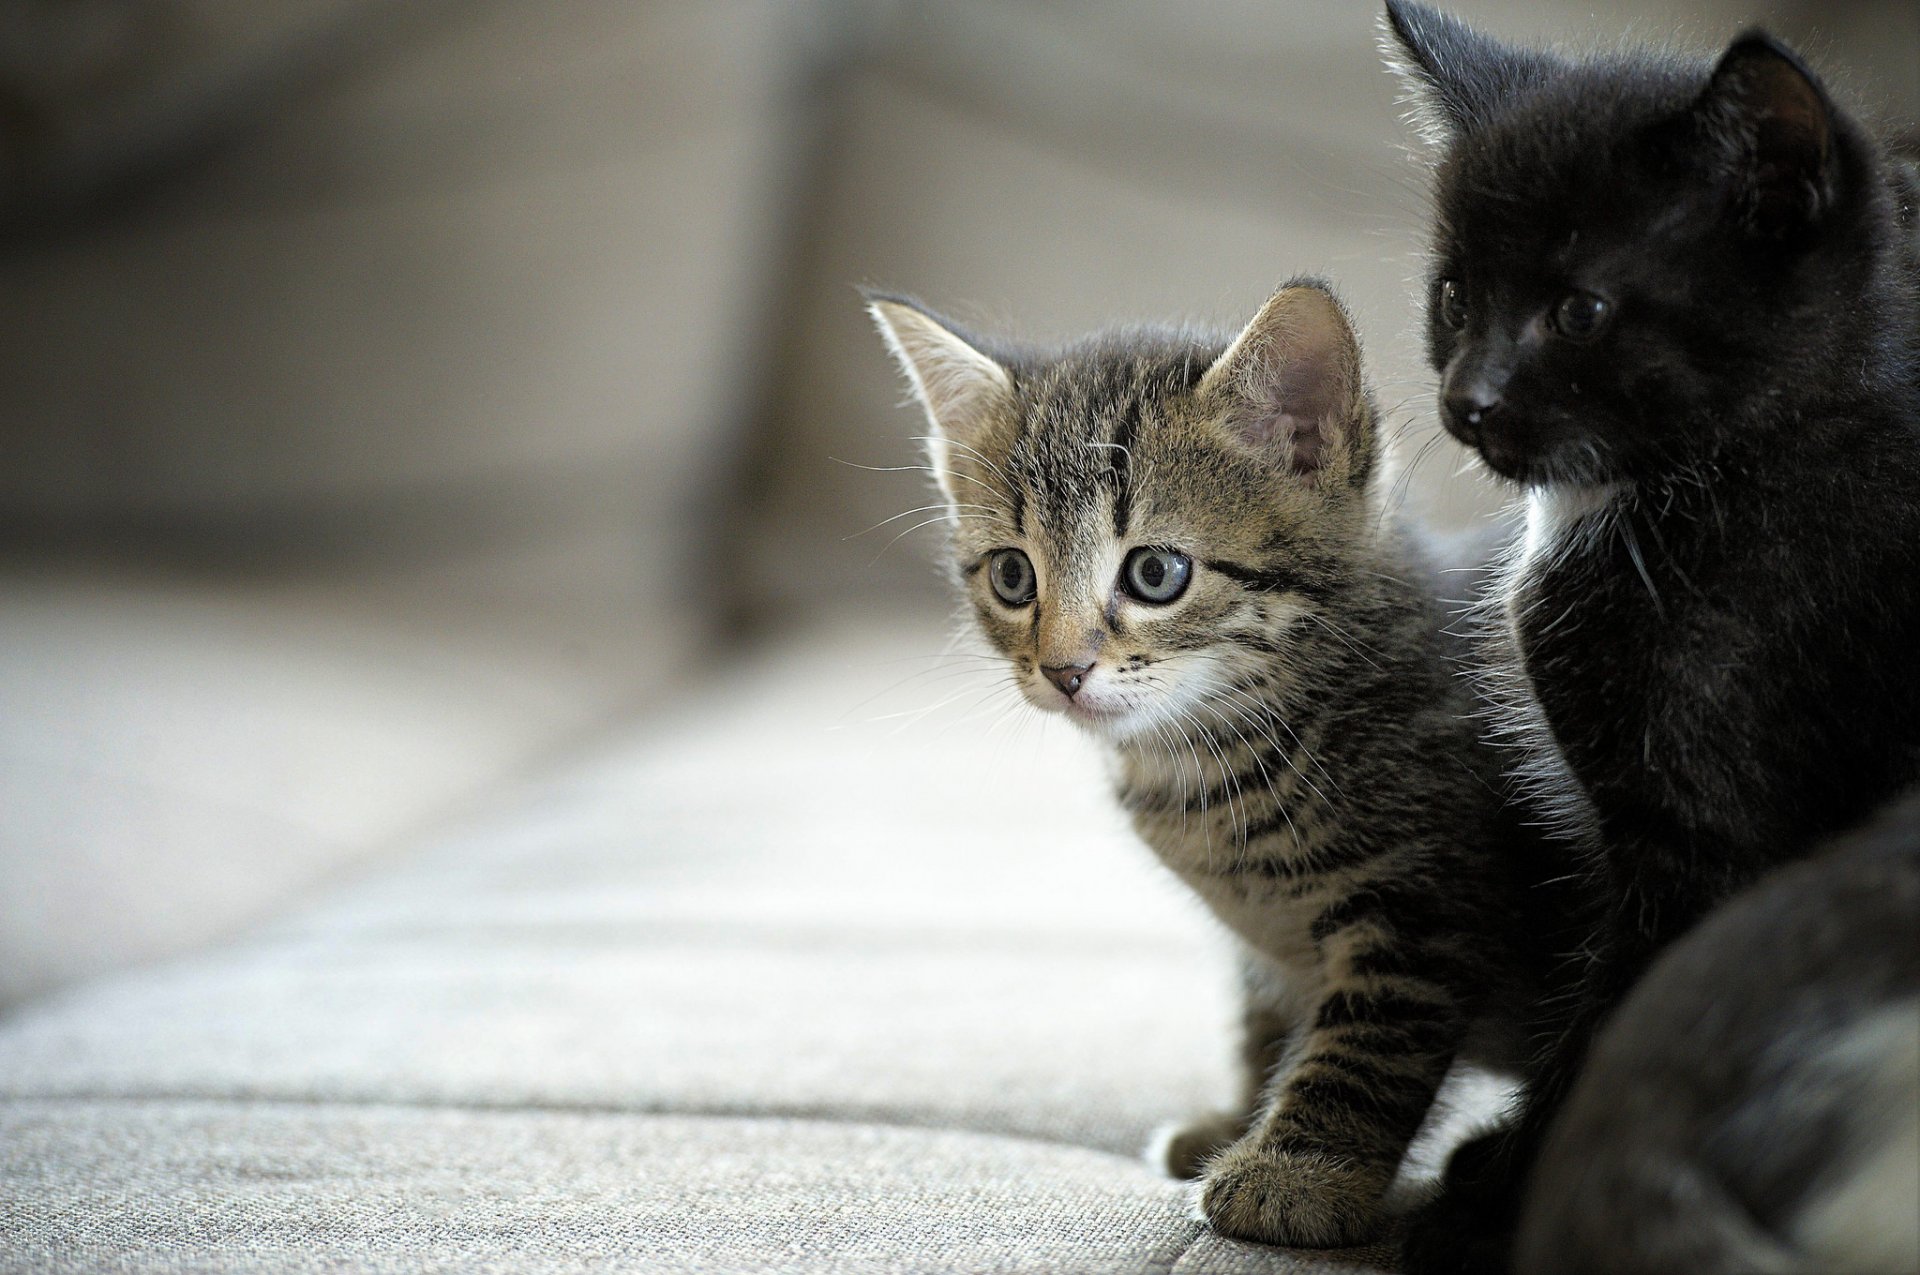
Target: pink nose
(1067, 676)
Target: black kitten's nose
(1066, 676)
(1471, 406)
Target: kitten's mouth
(1535, 466)
(1088, 713)
(1510, 460)
(1514, 463)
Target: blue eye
(1156, 575)
(1012, 577)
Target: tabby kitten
(1675, 304)
(1754, 1106)
(1176, 542)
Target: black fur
(1723, 659)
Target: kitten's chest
(1584, 624)
(1562, 528)
(1633, 652)
(1269, 898)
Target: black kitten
(1676, 302)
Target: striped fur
(1289, 735)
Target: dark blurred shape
(1754, 1106)
(99, 97)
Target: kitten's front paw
(1183, 1151)
(1297, 1199)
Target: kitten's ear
(1766, 119)
(959, 385)
(1458, 77)
(1290, 387)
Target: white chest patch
(1557, 517)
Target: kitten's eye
(1156, 575)
(1453, 304)
(1012, 577)
(1580, 316)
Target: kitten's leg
(1468, 1229)
(1268, 1016)
(1314, 1166)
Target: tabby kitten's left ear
(961, 388)
(1770, 126)
(1290, 388)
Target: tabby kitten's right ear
(1290, 388)
(960, 387)
(1458, 76)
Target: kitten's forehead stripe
(1084, 418)
(1120, 467)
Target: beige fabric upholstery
(761, 904)
(287, 1188)
(814, 940)
(181, 754)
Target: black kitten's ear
(1458, 76)
(961, 388)
(1290, 388)
(1767, 119)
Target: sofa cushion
(757, 903)
(763, 907)
(180, 754)
(288, 1188)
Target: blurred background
(394, 395)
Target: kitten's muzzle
(1068, 677)
(1476, 414)
(1469, 409)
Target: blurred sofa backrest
(386, 280)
